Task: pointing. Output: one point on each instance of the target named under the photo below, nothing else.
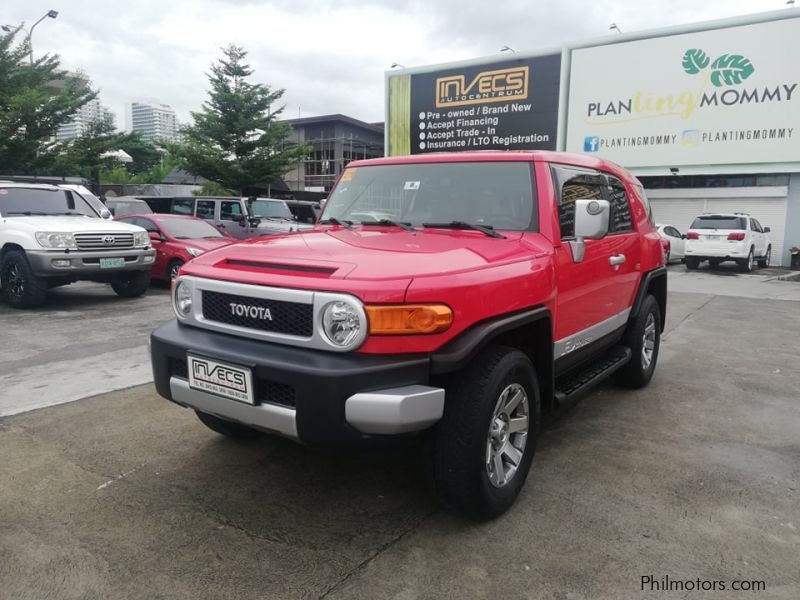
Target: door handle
(616, 260)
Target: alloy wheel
(15, 280)
(648, 341)
(508, 434)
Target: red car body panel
(477, 276)
(171, 248)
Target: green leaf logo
(730, 69)
(695, 60)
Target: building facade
(706, 115)
(335, 140)
(155, 121)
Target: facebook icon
(591, 143)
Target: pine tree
(237, 140)
(35, 99)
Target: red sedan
(177, 240)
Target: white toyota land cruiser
(52, 236)
(719, 237)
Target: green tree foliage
(34, 101)
(236, 140)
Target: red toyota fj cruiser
(455, 294)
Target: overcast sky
(329, 55)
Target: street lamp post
(52, 14)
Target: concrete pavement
(124, 495)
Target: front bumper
(48, 263)
(311, 395)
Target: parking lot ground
(124, 495)
(84, 341)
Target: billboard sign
(507, 105)
(725, 96)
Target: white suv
(51, 236)
(730, 236)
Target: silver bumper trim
(267, 417)
(395, 410)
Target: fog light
(60, 262)
(149, 259)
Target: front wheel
(131, 284)
(643, 337)
(764, 262)
(483, 447)
(692, 263)
(746, 265)
(22, 288)
(173, 269)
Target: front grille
(104, 241)
(289, 318)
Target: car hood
(377, 253)
(69, 224)
(206, 243)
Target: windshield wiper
(334, 221)
(388, 222)
(487, 230)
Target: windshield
(128, 207)
(269, 209)
(492, 194)
(188, 228)
(16, 202)
(718, 222)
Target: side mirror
(767, 230)
(591, 223)
(683, 236)
(106, 213)
(156, 237)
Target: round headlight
(183, 299)
(341, 323)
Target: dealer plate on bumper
(221, 378)
(112, 263)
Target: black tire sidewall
(172, 265)
(132, 284)
(35, 289)
(634, 375)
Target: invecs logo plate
(500, 85)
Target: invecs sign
(500, 85)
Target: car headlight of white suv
(141, 239)
(56, 239)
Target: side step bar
(578, 381)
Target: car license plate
(112, 263)
(221, 378)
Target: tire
(714, 264)
(131, 284)
(643, 337)
(692, 263)
(22, 288)
(227, 428)
(666, 257)
(464, 471)
(173, 268)
(746, 265)
(764, 262)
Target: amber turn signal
(408, 319)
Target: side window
(228, 210)
(572, 186)
(147, 224)
(183, 206)
(756, 226)
(620, 219)
(205, 209)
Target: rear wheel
(692, 263)
(131, 284)
(22, 288)
(483, 447)
(746, 265)
(764, 262)
(714, 264)
(643, 337)
(227, 428)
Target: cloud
(330, 56)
